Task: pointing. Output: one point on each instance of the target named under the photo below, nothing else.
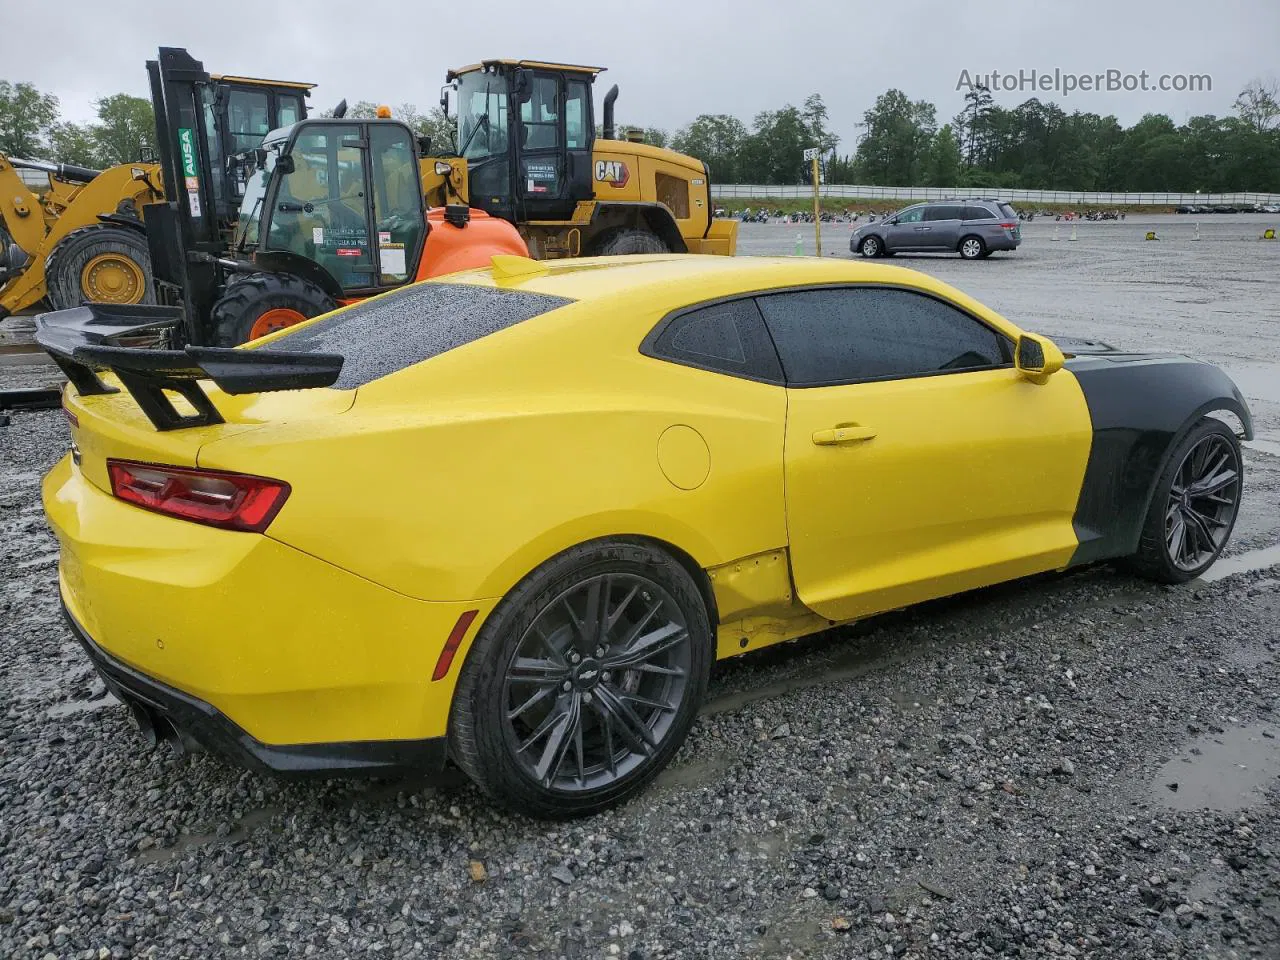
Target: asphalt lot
(1080, 765)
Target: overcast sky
(672, 60)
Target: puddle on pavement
(192, 841)
(696, 773)
(74, 707)
(1221, 771)
(1243, 563)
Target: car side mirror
(1037, 357)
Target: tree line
(1035, 145)
(31, 128)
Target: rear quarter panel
(456, 477)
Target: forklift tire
(257, 304)
(100, 264)
(629, 240)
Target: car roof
(669, 280)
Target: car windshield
(482, 115)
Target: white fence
(728, 191)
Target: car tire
(871, 247)
(539, 749)
(630, 241)
(114, 261)
(972, 248)
(257, 304)
(1163, 554)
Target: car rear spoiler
(132, 341)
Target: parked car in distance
(974, 228)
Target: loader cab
(526, 129)
(238, 113)
(336, 201)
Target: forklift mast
(182, 230)
(204, 124)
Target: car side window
(978, 213)
(847, 335)
(911, 216)
(727, 337)
(942, 212)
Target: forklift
(82, 237)
(331, 211)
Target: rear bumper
(159, 707)
(1002, 241)
(291, 651)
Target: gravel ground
(1080, 765)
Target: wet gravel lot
(1081, 765)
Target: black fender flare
(1139, 406)
(284, 261)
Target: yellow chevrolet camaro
(512, 516)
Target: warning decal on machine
(392, 257)
(541, 175)
(190, 173)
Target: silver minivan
(972, 228)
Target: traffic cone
(1197, 236)
(1055, 233)
(1073, 231)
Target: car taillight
(233, 501)
(1009, 224)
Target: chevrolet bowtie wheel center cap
(587, 674)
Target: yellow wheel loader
(526, 131)
(83, 239)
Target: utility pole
(812, 155)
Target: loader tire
(99, 264)
(629, 240)
(257, 304)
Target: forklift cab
(238, 113)
(526, 129)
(337, 201)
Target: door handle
(844, 433)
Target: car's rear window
(1008, 211)
(387, 334)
